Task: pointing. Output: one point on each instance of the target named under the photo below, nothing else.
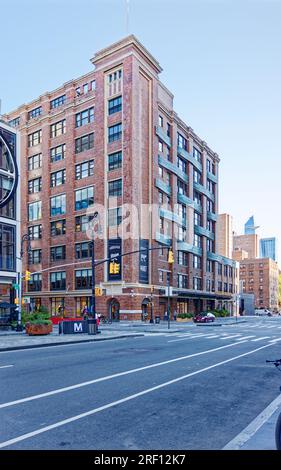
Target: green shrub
(185, 315)
(40, 317)
(221, 312)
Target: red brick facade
(128, 70)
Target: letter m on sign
(78, 328)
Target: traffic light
(114, 268)
(27, 275)
(171, 256)
(16, 301)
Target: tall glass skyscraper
(250, 227)
(268, 248)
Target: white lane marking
(278, 327)
(245, 337)
(108, 377)
(232, 336)
(254, 426)
(259, 339)
(123, 400)
(4, 367)
(183, 336)
(187, 337)
(212, 336)
(275, 340)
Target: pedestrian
(175, 315)
(85, 312)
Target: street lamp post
(151, 306)
(25, 238)
(93, 306)
(169, 276)
(169, 306)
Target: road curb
(42, 345)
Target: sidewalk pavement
(261, 439)
(264, 438)
(12, 340)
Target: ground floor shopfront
(137, 304)
(7, 299)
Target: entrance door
(114, 310)
(144, 309)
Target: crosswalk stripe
(244, 337)
(275, 340)
(259, 339)
(232, 336)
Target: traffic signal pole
(19, 325)
(25, 238)
(93, 281)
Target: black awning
(7, 305)
(201, 295)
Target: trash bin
(157, 319)
(92, 327)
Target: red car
(204, 317)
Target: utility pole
(24, 238)
(151, 305)
(92, 328)
(170, 275)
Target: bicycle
(277, 363)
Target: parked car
(260, 312)
(204, 317)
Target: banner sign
(144, 262)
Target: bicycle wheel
(278, 433)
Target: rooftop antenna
(127, 15)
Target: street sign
(98, 292)
(16, 286)
(26, 300)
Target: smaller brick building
(260, 277)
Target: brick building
(110, 141)
(225, 235)
(248, 243)
(260, 277)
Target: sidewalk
(262, 439)
(12, 340)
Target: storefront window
(57, 307)
(80, 303)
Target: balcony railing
(212, 216)
(201, 189)
(183, 246)
(173, 168)
(163, 186)
(161, 238)
(163, 136)
(172, 216)
(187, 156)
(203, 231)
(212, 177)
(183, 199)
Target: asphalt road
(193, 389)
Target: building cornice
(190, 132)
(129, 41)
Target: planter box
(33, 330)
(184, 319)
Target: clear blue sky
(221, 59)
